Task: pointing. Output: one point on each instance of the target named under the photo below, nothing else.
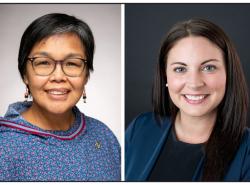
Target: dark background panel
(147, 24)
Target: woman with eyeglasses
(49, 139)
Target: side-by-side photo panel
(186, 92)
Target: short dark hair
(232, 110)
(52, 24)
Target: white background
(104, 86)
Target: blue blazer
(145, 138)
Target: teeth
(57, 92)
(192, 97)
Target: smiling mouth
(58, 94)
(195, 99)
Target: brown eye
(73, 63)
(42, 62)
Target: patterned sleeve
(7, 169)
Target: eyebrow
(206, 61)
(46, 54)
(41, 53)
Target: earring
(84, 97)
(166, 85)
(26, 94)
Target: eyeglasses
(45, 66)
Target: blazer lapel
(159, 135)
(145, 139)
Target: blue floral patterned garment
(88, 151)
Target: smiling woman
(55, 88)
(197, 131)
(49, 139)
(196, 78)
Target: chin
(58, 109)
(196, 113)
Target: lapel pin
(97, 144)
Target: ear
(25, 79)
(85, 81)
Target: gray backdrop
(145, 27)
(104, 86)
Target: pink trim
(43, 133)
(23, 125)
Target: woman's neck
(194, 129)
(48, 121)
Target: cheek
(175, 84)
(217, 82)
(77, 84)
(34, 81)
(37, 83)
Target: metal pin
(97, 144)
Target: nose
(58, 74)
(195, 80)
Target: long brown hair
(232, 110)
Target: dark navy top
(177, 160)
(145, 139)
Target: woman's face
(56, 93)
(196, 76)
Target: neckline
(14, 119)
(40, 132)
(176, 140)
